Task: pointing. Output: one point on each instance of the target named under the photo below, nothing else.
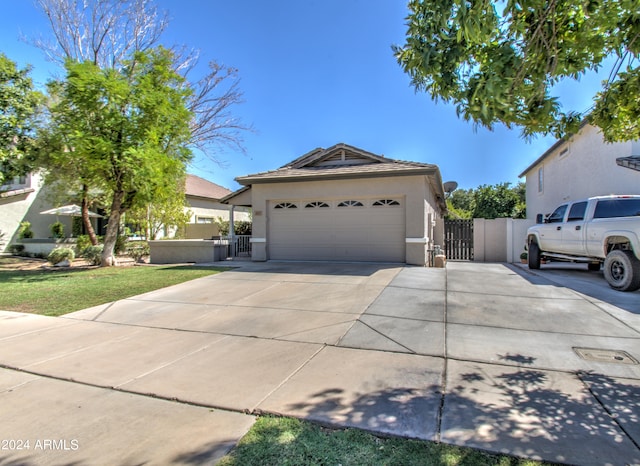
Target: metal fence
(236, 246)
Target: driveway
(491, 356)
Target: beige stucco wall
(200, 207)
(500, 239)
(415, 190)
(184, 251)
(27, 207)
(588, 169)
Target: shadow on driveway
(576, 277)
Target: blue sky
(315, 73)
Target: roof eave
(249, 180)
(235, 194)
(552, 149)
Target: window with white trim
(540, 180)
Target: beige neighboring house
(581, 166)
(203, 202)
(22, 199)
(345, 204)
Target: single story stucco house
(345, 204)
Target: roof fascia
(303, 158)
(229, 197)
(248, 180)
(552, 149)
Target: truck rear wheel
(534, 255)
(622, 270)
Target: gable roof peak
(338, 154)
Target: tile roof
(199, 187)
(339, 161)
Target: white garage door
(350, 230)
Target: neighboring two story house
(581, 166)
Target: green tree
(500, 67)
(19, 105)
(497, 201)
(460, 204)
(127, 127)
(108, 33)
(165, 211)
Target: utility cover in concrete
(605, 355)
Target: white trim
(417, 240)
(257, 240)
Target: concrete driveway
(492, 356)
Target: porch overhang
(241, 197)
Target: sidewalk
(482, 355)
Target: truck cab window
(577, 211)
(558, 214)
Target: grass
(286, 441)
(55, 292)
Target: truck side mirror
(539, 218)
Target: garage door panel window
(350, 203)
(286, 205)
(385, 203)
(316, 205)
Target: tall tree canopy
(498, 64)
(128, 128)
(109, 34)
(497, 201)
(19, 104)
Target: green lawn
(285, 441)
(55, 292)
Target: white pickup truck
(597, 230)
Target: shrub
(57, 230)
(137, 250)
(93, 254)
(25, 230)
(82, 243)
(16, 249)
(240, 227)
(76, 226)
(121, 245)
(61, 254)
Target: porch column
(232, 231)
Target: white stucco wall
(588, 168)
